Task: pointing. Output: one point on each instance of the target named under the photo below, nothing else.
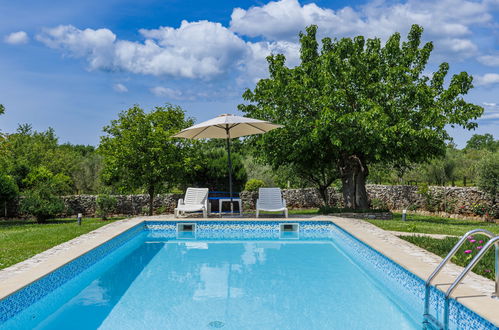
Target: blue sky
(73, 65)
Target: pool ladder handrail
(494, 240)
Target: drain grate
(216, 324)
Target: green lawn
(442, 247)
(433, 225)
(22, 239)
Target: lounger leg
(257, 213)
(286, 212)
(175, 213)
(205, 215)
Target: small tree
(8, 190)
(356, 102)
(41, 199)
(105, 205)
(139, 151)
(488, 176)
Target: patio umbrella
(227, 126)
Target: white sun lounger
(196, 199)
(270, 199)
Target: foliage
(430, 200)
(140, 153)
(105, 205)
(26, 150)
(41, 204)
(488, 175)
(254, 185)
(8, 190)
(354, 103)
(378, 204)
(44, 180)
(22, 239)
(208, 167)
(483, 142)
(464, 255)
(2, 109)
(480, 209)
(257, 170)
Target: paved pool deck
(474, 292)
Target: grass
(22, 239)
(442, 247)
(433, 225)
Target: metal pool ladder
(494, 240)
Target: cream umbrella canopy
(227, 126)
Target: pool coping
(474, 292)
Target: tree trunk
(324, 195)
(151, 200)
(354, 172)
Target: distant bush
(8, 190)
(431, 201)
(105, 205)
(378, 204)
(254, 185)
(41, 204)
(488, 175)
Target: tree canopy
(483, 142)
(139, 151)
(355, 102)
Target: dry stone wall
(453, 200)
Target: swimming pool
(244, 275)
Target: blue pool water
(229, 278)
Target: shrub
(8, 190)
(488, 175)
(105, 205)
(431, 202)
(254, 184)
(41, 204)
(378, 204)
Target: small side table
(238, 200)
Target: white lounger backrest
(195, 196)
(270, 197)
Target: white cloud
(207, 50)
(489, 104)
(17, 38)
(120, 88)
(489, 60)
(97, 46)
(487, 79)
(195, 50)
(167, 92)
(446, 22)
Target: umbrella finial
(226, 114)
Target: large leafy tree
(356, 102)
(482, 142)
(139, 151)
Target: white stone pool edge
(474, 292)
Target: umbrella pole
(230, 165)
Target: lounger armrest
(257, 202)
(284, 202)
(180, 202)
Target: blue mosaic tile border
(28, 295)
